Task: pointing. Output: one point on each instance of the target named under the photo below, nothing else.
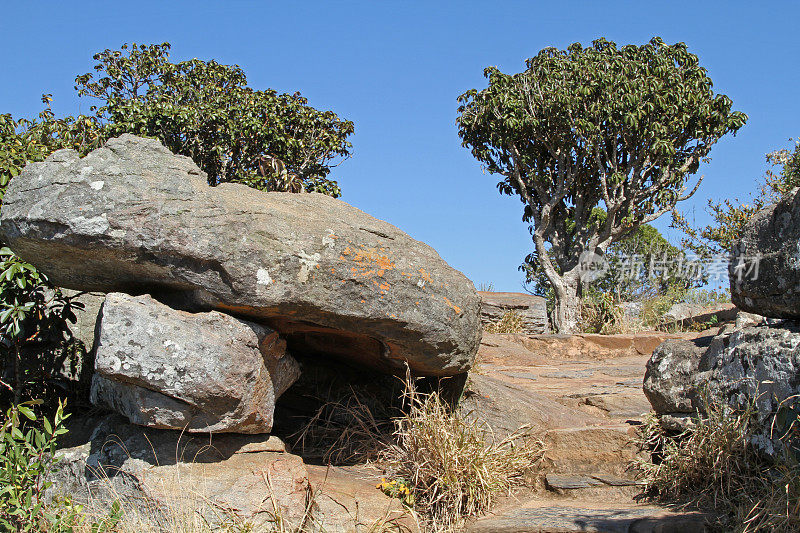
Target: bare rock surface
(569, 517)
(769, 283)
(686, 314)
(202, 372)
(133, 217)
(531, 309)
(346, 501)
(582, 393)
(157, 472)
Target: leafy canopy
(206, 111)
(622, 127)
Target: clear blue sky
(396, 68)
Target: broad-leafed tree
(621, 128)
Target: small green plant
(398, 488)
(702, 326)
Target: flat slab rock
(202, 372)
(133, 217)
(153, 471)
(550, 517)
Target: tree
(640, 266)
(206, 111)
(730, 216)
(622, 128)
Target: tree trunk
(566, 315)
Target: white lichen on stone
(329, 239)
(263, 277)
(97, 185)
(92, 225)
(307, 263)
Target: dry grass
(345, 431)
(713, 465)
(454, 468)
(510, 322)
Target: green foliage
(34, 315)
(24, 141)
(730, 216)
(206, 111)
(622, 128)
(27, 454)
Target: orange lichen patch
(425, 276)
(368, 262)
(453, 306)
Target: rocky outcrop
(765, 270)
(686, 314)
(202, 372)
(133, 217)
(758, 368)
(753, 368)
(531, 309)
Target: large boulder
(765, 267)
(531, 309)
(133, 217)
(670, 375)
(753, 368)
(203, 372)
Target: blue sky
(396, 69)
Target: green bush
(27, 454)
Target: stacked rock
(755, 364)
(210, 289)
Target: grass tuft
(510, 322)
(454, 468)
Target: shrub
(36, 340)
(601, 314)
(27, 453)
